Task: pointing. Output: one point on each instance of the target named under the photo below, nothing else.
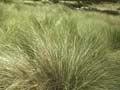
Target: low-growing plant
(56, 49)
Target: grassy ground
(109, 6)
(51, 47)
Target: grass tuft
(54, 48)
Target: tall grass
(54, 48)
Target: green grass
(51, 47)
(109, 6)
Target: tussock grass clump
(56, 49)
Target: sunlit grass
(51, 47)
